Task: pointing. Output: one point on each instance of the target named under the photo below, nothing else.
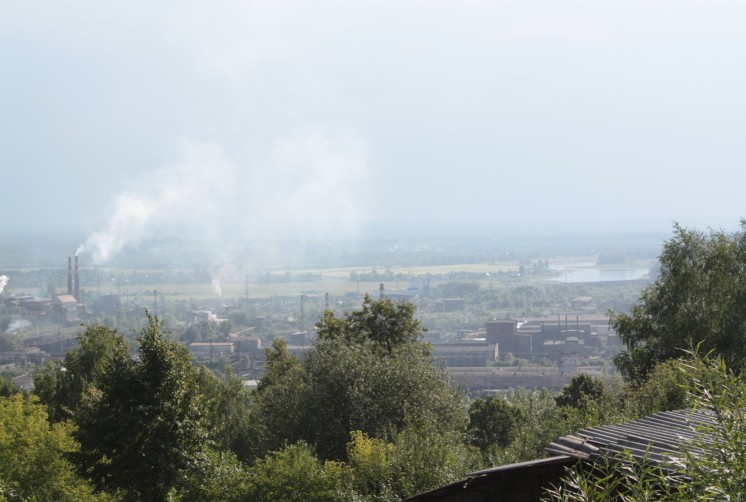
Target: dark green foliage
(697, 299)
(295, 474)
(541, 422)
(368, 372)
(227, 404)
(426, 456)
(61, 386)
(141, 427)
(201, 330)
(217, 475)
(8, 387)
(278, 409)
(587, 401)
(385, 323)
(492, 422)
(353, 387)
(581, 389)
(664, 390)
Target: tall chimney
(380, 291)
(69, 275)
(77, 281)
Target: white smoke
(310, 183)
(3, 282)
(17, 326)
(190, 191)
(217, 286)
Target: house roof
(66, 299)
(655, 437)
(522, 481)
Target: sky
(123, 118)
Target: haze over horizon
(260, 117)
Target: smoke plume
(17, 326)
(3, 282)
(308, 185)
(187, 192)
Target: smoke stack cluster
(69, 275)
(77, 281)
(73, 280)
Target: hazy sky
(119, 116)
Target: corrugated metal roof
(656, 437)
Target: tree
(581, 389)
(33, 463)
(227, 404)
(141, 425)
(61, 386)
(384, 323)
(295, 474)
(218, 475)
(587, 401)
(278, 408)
(368, 372)
(697, 299)
(200, 330)
(427, 455)
(664, 390)
(541, 422)
(8, 387)
(492, 422)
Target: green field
(135, 286)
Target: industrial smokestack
(380, 291)
(69, 275)
(326, 301)
(77, 281)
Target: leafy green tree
(217, 475)
(426, 456)
(581, 389)
(8, 387)
(587, 401)
(295, 474)
(200, 330)
(356, 387)
(541, 422)
(697, 299)
(371, 462)
(140, 426)
(384, 323)
(61, 386)
(33, 463)
(664, 390)
(278, 408)
(362, 375)
(227, 404)
(492, 422)
(418, 458)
